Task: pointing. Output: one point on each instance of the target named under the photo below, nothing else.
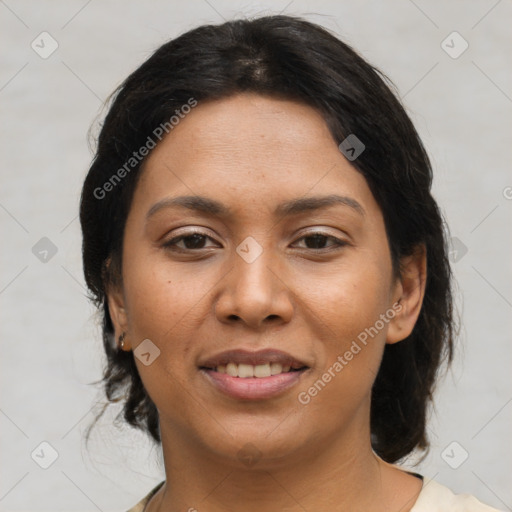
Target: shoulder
(139, 507)
(435, 497)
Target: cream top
(434, 497)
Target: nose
(254, 293)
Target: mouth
(247, 371)
(247, 375)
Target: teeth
(245, 371)
(276, 368)
(262, 370)
(232, 369)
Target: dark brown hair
(291, 58)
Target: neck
(346, 476)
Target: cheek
(163, 306)
(160, 295)
(347, 297)
(349, 308)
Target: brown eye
(191, 241)
(317, 240)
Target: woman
(272, 268)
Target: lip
(252, 388)
(243, 356)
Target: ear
(408, 294)
(117, 310)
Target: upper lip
(242, 356)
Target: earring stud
(121, 340)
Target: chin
(261, 444)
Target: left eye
(192, 241)
(317, 239)
(196, 240)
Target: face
(285, 263)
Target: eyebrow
(293, 207)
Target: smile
(260, 371)
(253, 388)
(247, 375)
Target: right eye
(193, 240)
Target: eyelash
(171, 244)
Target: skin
(252, 153)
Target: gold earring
(121, 340)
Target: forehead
(252, 149)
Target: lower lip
(253, 388)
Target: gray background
(49, 338)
